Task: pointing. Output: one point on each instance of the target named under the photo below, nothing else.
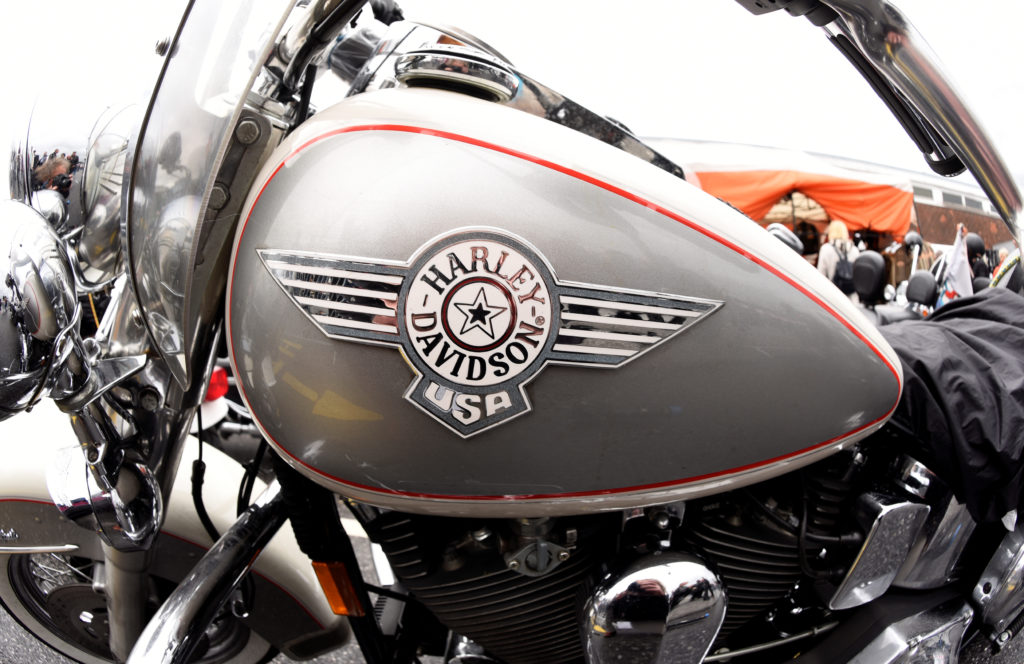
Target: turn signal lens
(338, 590)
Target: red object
(218, 386)
(861, 204)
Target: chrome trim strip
(610, 336)
(56, 548)
(331, 272)
(345, 306)
(593, 350)
(628, 322)
(339, 290)
(626, 306)
(344, 322)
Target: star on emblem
(479, 314)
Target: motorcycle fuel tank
(443, 305)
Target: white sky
(701, 69)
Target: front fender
(283, 576)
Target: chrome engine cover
(571, 328)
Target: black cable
(198, 475)
(252, 471)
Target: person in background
(836, 257)
(52, 174)
(976, 255)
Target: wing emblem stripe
(338, 290)
(593, 350)
(345, 306)
(626, 322)
(628, 306)
(610, 336)
(333, 272)
(355, 324)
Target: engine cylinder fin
(468, 586)
(758, 563)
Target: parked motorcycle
(587, 411)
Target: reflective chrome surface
(461, 67)
(37, 306)
(53, 207)
(404, 40)
(665, 607)
(173, 633)
(184, 136)
(895, 48)
(894, 527)
(933, 558)
(317, 25)
(997, 595)
(127, 514)
(97, 240)
(931, 637)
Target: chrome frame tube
(898, 52)
(175, 630)
(323, 20)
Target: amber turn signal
(338, 590)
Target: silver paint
(727, 402)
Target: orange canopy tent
(754, 179)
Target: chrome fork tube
(175, 630)
(127, 590)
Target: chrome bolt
(149, 399)
(563, 556)
(218, 197)
(481, 534)
(247, 132)
(513, 565)
(239, 609)
(1003, 637)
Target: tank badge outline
(478, 313)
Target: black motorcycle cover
(963, 397)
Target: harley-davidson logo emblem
(478, 313)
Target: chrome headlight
(38, 306)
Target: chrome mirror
(38, 307)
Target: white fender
(28, 445)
